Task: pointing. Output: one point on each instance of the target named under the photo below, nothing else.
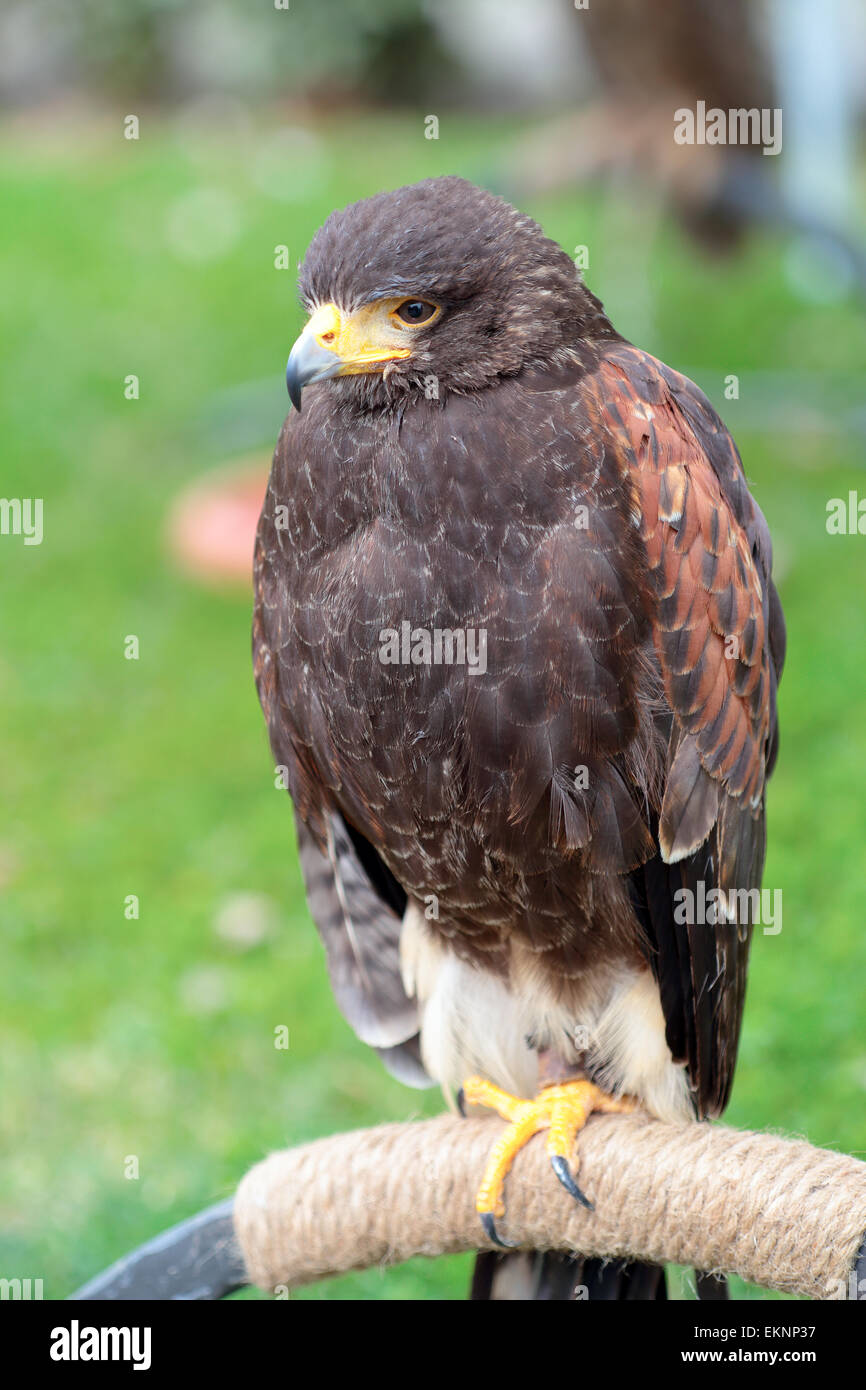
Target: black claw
(563, 1172)
(492, 1234)
(461, 1102)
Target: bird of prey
(517, 644)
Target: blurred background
(163, 168)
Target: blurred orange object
(211, 526)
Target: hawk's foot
(561, 1109)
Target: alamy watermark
(710, 907)
(438, 646)
(20, 1289)
(738, 126)
(77, 1343)
(846, 516)
(22, 516)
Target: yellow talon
(562, 1110)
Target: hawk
(517, 645)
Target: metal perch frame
(776, 1211)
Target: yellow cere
(370, 335)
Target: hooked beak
(308, 361)
(336, 345)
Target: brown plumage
(524, 828)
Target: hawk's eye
(416, 311)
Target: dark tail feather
(544, 1276)
(712, 1288)
(540, 1276)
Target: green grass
(154, 1037)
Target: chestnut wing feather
(719, 638)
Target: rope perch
(775, 1211)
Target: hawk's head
(439, 282)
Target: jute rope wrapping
(775, 1211)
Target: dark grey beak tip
(308, 362)
(294, 388)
